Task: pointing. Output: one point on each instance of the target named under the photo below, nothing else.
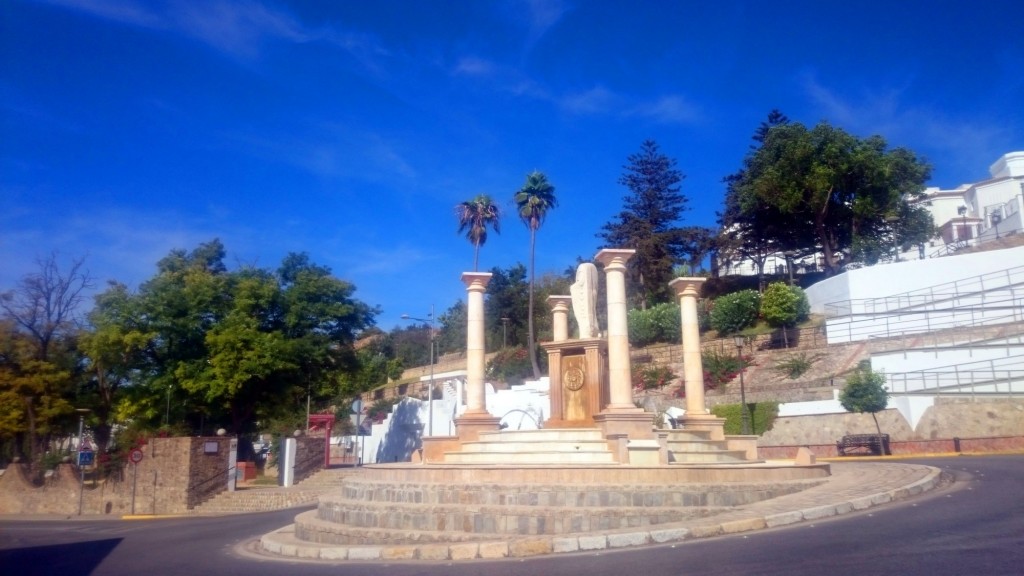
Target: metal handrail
(1009, 279)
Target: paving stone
(433, 552)
(364, 553)
(398, 553)
(559, 545)
(334, 553)
(529, 547)
(464, 551)
(669, 535)
(742, 525)
(622, 540)
(493, 549)
(819, 512)
(783, 519)
(596, 542)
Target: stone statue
(584, 300)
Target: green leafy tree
(736, 311)
(754, 231)
(40, 362)
(475, 217)
(865, 393)
(831, 189)
(229, 348)
(649, 222)
(508, 296)
(452, 335)
(534, 200)
(783, 306)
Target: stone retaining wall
(175, 474)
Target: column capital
(614, 257)
(476, 281)
(687, 286)
(559, 303)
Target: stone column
(697, 415)
(687, 290)
(476, 418)
(620, 420)
(620, 392)
(476, 285)
(560, 317)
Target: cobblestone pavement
(853, 486)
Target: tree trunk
(529, 322)
(881, 444)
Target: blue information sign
(85, 457)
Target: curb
(282, 542)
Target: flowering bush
(721, 368)
(650, 377)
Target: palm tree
(474, 217)
(534, 200)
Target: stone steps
(530, 447)
(371, 511)
(693, 447)
(263, 499)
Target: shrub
(796, 365)
(734, 312)
(762, 416)
(784, 305)
(380, 410)
(659, 323)
(865, 393)
(721, 368)
(652, 376)
(510, 365)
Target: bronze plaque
(574, 382)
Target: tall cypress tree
(649, 223)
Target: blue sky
(350, 130)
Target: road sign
(135, 455)
(85, 458)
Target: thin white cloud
(473, 66)
(236, 28)
(962, 143)
(597, 100)
(667, 110)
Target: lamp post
(996, 219)
(504, 332)
(78, 457)
(430, 387)
(744, 413)
(789, 254)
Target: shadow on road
(77, 559)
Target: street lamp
(996, 219)
(430, 387)
(789, 254)
(78, 456)
(744, 413)
(504, 332)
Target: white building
(979, 212)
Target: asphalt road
(972, 527)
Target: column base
(714, 424)
(634, 423)
(469, 426)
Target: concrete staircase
(263, 499)
(546, 446)
(695, 448)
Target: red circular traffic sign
(135, 456)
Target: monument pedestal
(633, 423)
(577, 370)
(714, 425)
